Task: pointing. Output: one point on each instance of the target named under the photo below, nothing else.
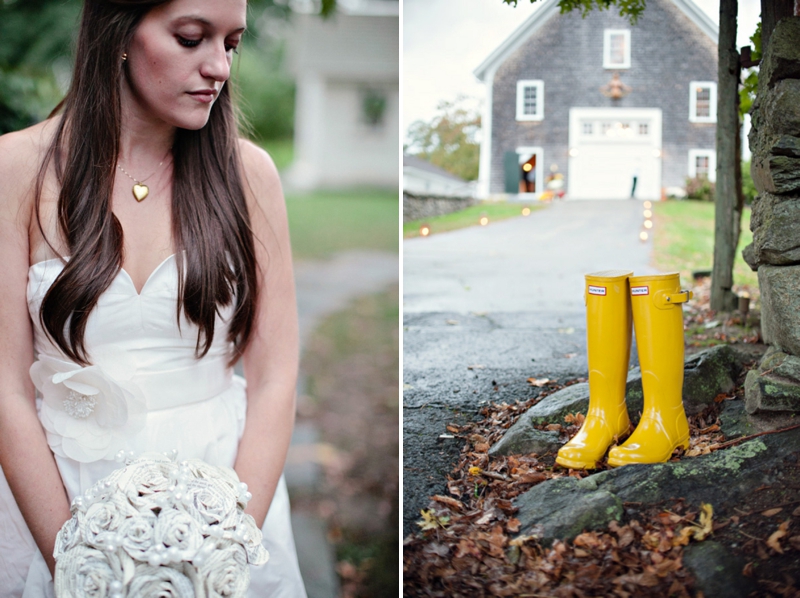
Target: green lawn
(494, 211)
(325, 222)
(683, 240)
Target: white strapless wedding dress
(145, 391)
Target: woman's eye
(231, 48)
(188, 43)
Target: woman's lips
(204, 95)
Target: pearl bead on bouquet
(159, 528)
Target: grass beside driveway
(322, 223)
(494, 211)
(683, 241)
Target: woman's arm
(271, 359)
(26, 458)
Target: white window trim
(712, 162)
(521, 85)
(712, 118)
(607, 64)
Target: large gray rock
(717, 571)
(775, 222)
(780, 306)
(721, 477)
(782, 58)
(706, 375)
(565, 507)
(775, 385)
(776, 120)
(526, 440)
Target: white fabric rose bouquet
(159, 528)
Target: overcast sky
(445, 40)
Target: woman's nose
(216, 65)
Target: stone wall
(775, 221)
(416, 207)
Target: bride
(144, 250)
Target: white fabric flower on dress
(87, 411)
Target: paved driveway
(524, 264)
(507, 297)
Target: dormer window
(530, 100)
(617, 49)
(703, 102)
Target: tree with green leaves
(449, 140)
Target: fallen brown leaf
(452, 502)
(774, 540)
(771, 512)
(538, 382)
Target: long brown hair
(210, 220)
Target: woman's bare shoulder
(21, 154)
(262, 182)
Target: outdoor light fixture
(527, 167)
(484, 220)
(643, 235)
(648, 205)
(656, 153)
(424, 230)
(648, 214)
(648, 224)
(526, 211)
(573, 152)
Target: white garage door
(609, 147)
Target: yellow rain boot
(608, 340)
(658, 320)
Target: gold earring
(124, 57)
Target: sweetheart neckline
(121, 270)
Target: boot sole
(575, 464)
(614, 463)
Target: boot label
(593, 290)
(640, 290)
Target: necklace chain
(138, 181)
(140, 190)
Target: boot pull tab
(666, 299)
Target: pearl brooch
(79, 406)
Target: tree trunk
(726, 223)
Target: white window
(703, 102)
(617, 49)
(530, 100)
(703, 163)
(588, 128)
(644, 128)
